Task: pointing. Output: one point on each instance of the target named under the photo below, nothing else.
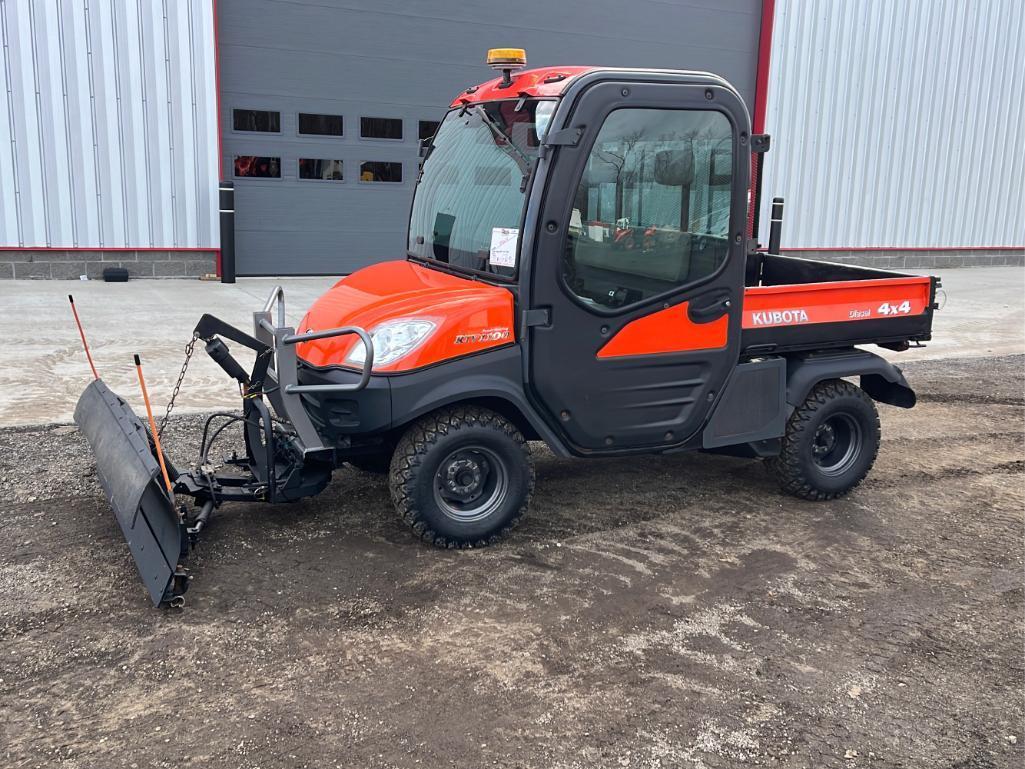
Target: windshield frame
(427, 148)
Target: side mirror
(675, 168)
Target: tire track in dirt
(673, 611)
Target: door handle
(709, 312)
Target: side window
(652, 209)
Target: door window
(259, 120)
(651, 212)
(377, 171)
(320, 125)
(320, 168)
(380, 128)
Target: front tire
(461, 477)
(830, 444)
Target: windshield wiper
(507, 143)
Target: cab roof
(547, 81)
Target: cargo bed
(793, 304)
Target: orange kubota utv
(577, 272)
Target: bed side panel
(838, 313)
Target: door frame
(719, 95)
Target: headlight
(392, 340)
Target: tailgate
(888, 311)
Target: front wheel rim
(837, 444)
(470, 483)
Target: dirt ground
(652, 612)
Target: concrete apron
(47, 371)
(983, 314)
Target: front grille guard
(281, 385)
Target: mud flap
(131, 479)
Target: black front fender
(493, 375)
(882, 380)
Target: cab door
(639, 263)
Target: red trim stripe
(217, 88)
(761, 100)
(110, 248)
(764, 57)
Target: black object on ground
(115, 274)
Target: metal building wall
(897, 123)
(407, 60)
(108, 124)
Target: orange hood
(469, 316)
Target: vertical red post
(217, 97)
(761, 99)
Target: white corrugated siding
(897, 123)
(108, 124)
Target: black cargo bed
(793, 304)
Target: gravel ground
(652, 612)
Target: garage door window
(320, 125)
(652, 209)
(428, 128)
(380, 128)
(377, 171)
(257, 167)
(320, 169)
(256, 120)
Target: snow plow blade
(130, 476)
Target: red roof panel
(548, 81)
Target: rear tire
(830, 444)
(461, 477)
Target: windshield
(469, 199)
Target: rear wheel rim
(837, 444)
(471, 483)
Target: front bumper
(339, 417)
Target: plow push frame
(285, 458)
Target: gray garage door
(323, 102)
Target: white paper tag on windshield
(503, 246)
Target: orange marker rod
(153, 428)
(81, 333)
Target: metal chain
(178, 385)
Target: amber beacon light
(506, 60)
